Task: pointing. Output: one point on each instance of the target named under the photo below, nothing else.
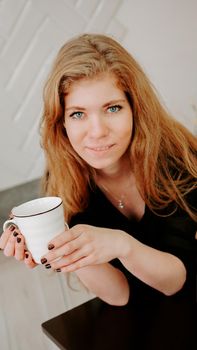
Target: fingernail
(26, 255)
(50, 246)
(58, 270)
(43, 260)
(12, 228)
(48, 266)
(15, 233)
(18, 239)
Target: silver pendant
(120, 204)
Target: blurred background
(161, 35)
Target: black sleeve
(179, 238)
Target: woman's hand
(13, 244)
(84, 245)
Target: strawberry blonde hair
(162, 151)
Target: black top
(174, 234)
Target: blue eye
(77, 115)
(114, 109)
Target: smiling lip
(100, 148)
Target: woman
(126, 172)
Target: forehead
(100, 87)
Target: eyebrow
(109, 103)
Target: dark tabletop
(163, 324)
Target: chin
(99, 165)
(102, 165)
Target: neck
(124, 178)
(116, 172)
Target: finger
(29, 262)
(64, 237)
(68, 260)
(6, 235)
(19, 247)
(65, 249)
(9, 249)
(86, 261)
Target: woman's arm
(160, 270)
(106, 282)
(85, 246)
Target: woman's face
(98, 121)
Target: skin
(99, 123)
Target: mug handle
(8, 223)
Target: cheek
(76, 139)
(72, 133)
(126, 132)
(127, 139)
(126, 136)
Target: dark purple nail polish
(26, 255)
(50, 246)
(15, 233)
(58, 270)
(48, 266)
(43, 260)
(12, 228)
(18, 239)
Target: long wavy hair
(163, 152)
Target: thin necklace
(120, 201)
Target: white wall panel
(31, 32)
(86, 8)
(9, 15)
(162, 35)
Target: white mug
(39, 221)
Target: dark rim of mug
(42, 212)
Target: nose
(97, 127)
